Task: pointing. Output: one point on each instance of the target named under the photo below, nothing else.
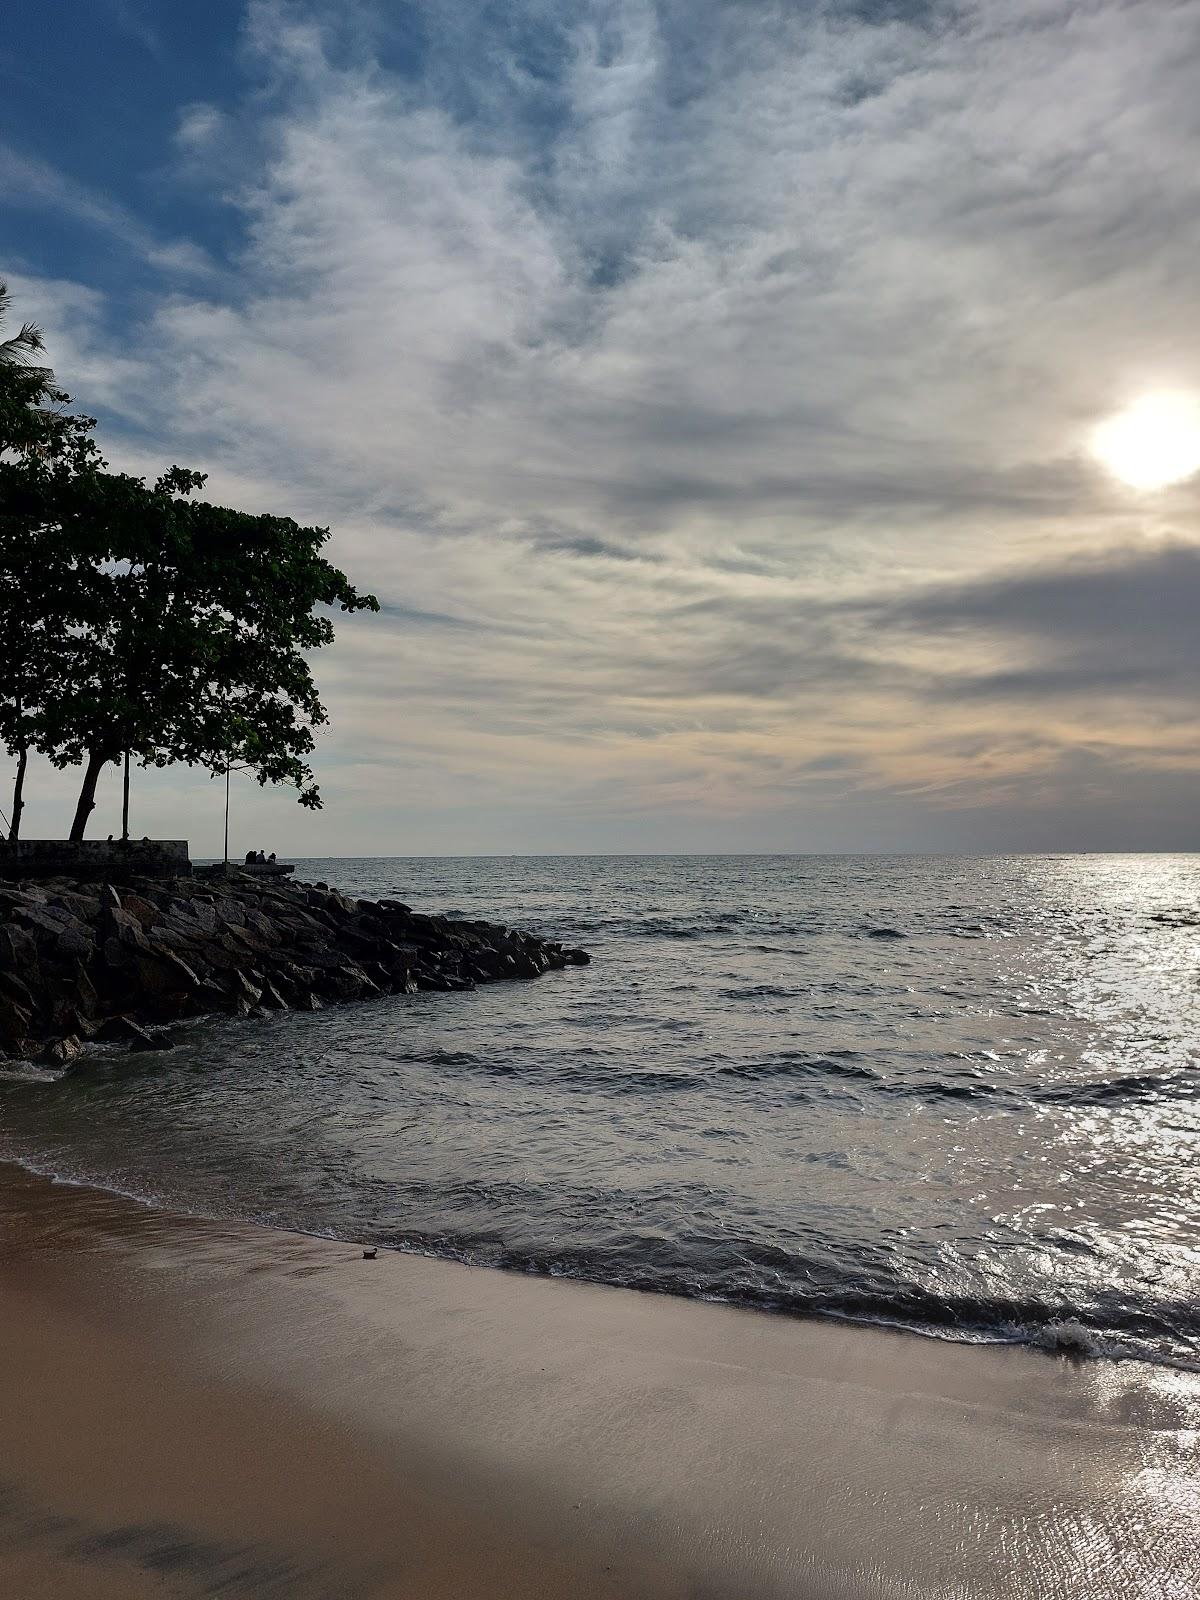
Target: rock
(121, 926)
(172, 970)
(61, 1052)
(18, 952)
(141, 910)
(71, 953)
(41, 919)
(15, 1022)
(15, 988)
(210, 996)
(144, 1041)
(83, 990)
(245, 989)
(118, 1030)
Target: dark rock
(83, 907)
(118, 1030)
(210, 996)
(141, 910)
(14, 988)
(121, 925)
(245, 991)
(82, 959)
(61, 1052)
(83, 990)
(151, 1041)
(40, 919)
(15, 1022)
(18, 953)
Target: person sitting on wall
(250, 857)
(271, 857)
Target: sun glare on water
(1152, 443)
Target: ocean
(960, 1096)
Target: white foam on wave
(29, 1072)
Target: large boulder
(61, 1052)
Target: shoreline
(1065, 1340)
(187, 1403)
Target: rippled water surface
(958, 1094)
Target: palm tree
(23, 346)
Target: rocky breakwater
(84, 962)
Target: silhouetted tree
(45, 452)
(138, 621)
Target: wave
(759, 991)
(1168, 1335)
(799, 1065)
(1135, 1088)
(598, 1068)
(752, 1274)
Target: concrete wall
(95, 858)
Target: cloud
(28, 181)
(199, 125)
(1125, 624)
(703, 387)
(132, 19)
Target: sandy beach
(196, 1408)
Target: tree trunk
(18, 805)
(125, 804)
(97, 760)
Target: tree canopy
(139, 620)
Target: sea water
(956, 1095)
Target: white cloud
(199, 125)
(638, 365)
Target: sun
(1152, 443)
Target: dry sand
(193, 1408)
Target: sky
(703, 386)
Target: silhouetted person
(250, 856)
(271, 857)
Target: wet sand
(194, 1408)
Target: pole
(227, 817)
(125, 804)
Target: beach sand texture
(197, 1408)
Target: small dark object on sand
(369, 1255)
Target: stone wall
(98, 860)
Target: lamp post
(228, 769)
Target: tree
(25, 344)
(43, 451)
(138, 621)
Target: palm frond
(23, 346)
